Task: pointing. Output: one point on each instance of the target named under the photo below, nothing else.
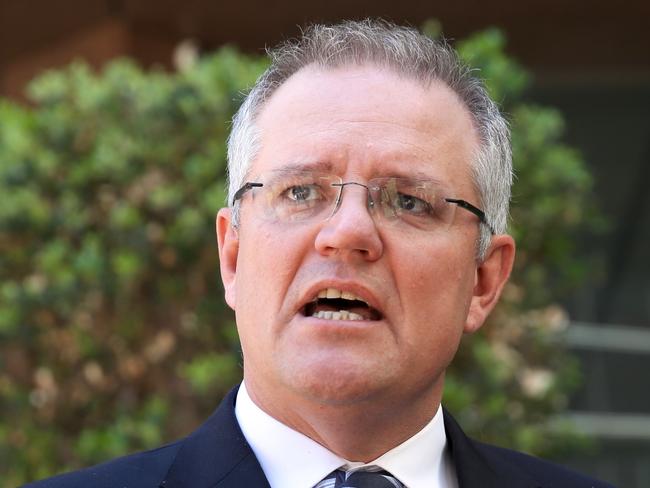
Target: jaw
(337, 362)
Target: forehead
(366, 120)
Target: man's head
(359, 106)
(409, 54)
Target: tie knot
(370, 479)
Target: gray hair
(408, 53)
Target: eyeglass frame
(249, 185)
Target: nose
(351, 230)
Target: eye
(412, 204)
(302, 193)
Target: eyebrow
(322, 166)
(325, 166)
(415, 175)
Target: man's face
(358, 123)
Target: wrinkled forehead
(365, 111)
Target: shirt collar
(290, 459)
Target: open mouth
(334, 304)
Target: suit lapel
(474, 469)
(216, 455)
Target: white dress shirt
(290, 459)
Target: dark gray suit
(217, 455)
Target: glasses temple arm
(247, 186)
(475, 210)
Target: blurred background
(114, 333)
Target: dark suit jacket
(217, 455)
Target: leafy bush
(115, 336)
(509, 380)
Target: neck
(359, 431)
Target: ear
(228, 242)
(491, 276)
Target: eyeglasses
(310, 196)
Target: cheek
(269, 257)
(437, 290)
(434, 271)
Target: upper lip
(356, 288)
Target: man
(370, 176)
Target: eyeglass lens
(309, 196)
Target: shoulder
(140, 470)
(211, 453)
(484, 465)
(546, 473)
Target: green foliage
(111, 309)
(509, 380)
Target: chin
(338, 382)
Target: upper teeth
(336, 293)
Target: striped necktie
(360, 479)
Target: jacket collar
(216, 455)
(475, 468)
